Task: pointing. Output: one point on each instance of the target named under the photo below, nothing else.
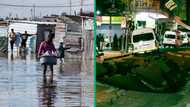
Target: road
(22, 85)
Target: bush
(115, 44)
(156, 74)
(100, 70)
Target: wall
(41, 29)
(3, 31)
(104, 29)
(3, 45)
(21, 28)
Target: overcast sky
(26, 11)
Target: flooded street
(22, 85)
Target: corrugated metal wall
(3, 45)
(41, 29)
(3, 40)
(60, 32)
(21, 28)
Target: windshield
(170, 36)
(143, 37)
(183, 36)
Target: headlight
(141, 43)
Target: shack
(3, 39)
(37, 31)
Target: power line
(44, 6)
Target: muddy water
(22, 83)
(108, 96)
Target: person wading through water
(47, 54)
(12, 36)
(24, 38)
(61, 50)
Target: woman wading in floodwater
(47, 54)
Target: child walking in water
(61, 50)
(47, 54)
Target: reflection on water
(12, 57)
(22, 83)
(47, 93)
(108, 96)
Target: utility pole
(10, 15)
(81, 10)
(40, 14)
(34, 10)
(70, 6)
(31, 14)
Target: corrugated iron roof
(33, 22)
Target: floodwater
(22, 83)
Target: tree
(98, 41)
(101, 42)
(120, 42)
(188, 11)
(115, 43)
(104, 7)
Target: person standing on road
(12, 36)
(178, 39)
(47, 54)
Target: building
(144, 13)
(3, 37)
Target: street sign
(171, 5)
(88, 24)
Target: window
(143, 37)
(170, 36)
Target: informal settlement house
(3, 37)
(38, 31)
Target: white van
(188, 34)
(143, 40)
(184, 38)
(169, 38)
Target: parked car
(171, 38)
(188, 34)
(184, 38)
(143, 41)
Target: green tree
(104, 6)
(98, 41)
(120, 42)
(115, 43)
